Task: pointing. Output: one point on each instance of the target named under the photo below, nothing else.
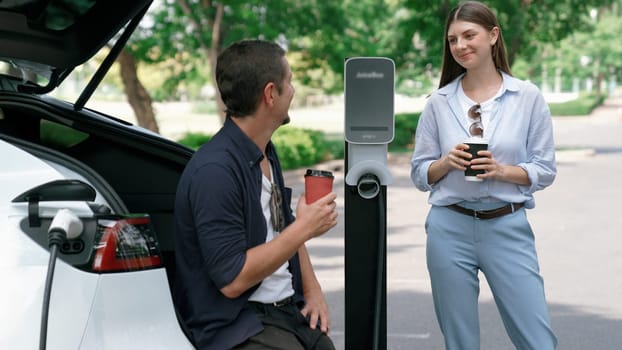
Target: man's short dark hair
(244, 69)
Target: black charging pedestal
(369, 128)
(365, 278)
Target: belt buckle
(283, 302)
(475, 212)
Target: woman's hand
(458, 158)
(500, 172)
(488, 163)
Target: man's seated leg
(271, 338)
(286, 321)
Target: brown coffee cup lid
(315, 172)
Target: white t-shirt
(486, 108)
(277, 286)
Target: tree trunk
(598, 79)
(211, 49)
(137, 95)
(512, 50)
(213, 56)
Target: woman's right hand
(458, 158)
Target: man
(244, 278)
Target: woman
(481, 225)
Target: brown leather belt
(487, 214)
(284, 302)
(280, 303)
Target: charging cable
(65, 225)
(369, 187)
(380, 264)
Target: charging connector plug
(65, 225)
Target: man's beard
(286, 120)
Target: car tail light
(125, 244)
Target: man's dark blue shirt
(218, 216)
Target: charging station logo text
(369, 75)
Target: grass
(581, 106)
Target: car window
(51, 14)
(59, 136)
(25, 71)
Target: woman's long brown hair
(478, 13)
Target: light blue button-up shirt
(520, 132)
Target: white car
(86, 200)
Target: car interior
(135, 172)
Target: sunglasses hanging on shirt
(475, 116)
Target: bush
(335, 149)
(405, 127)
(580, 106)
(194, 140)
(296, 147)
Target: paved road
(578, 228)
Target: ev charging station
(369, 128)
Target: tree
(318, 34)
(526, 25)
(187, 35)
(592, 54)
(193, 32)
(153, 43)
(137, 95)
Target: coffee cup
(318, 183)
(475, 144)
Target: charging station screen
(369, 100)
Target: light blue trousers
(458, 246)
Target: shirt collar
(509, 84)
(248, 148)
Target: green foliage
(296, 147)
(596, 53)
(581, 106)
(178, 34)
(405, 127)
(337, 30)
(526, 27)
(299, 148)
(335, 146)
(194, 139)
(60, 136)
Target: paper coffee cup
(318, 183)
(475, 144)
